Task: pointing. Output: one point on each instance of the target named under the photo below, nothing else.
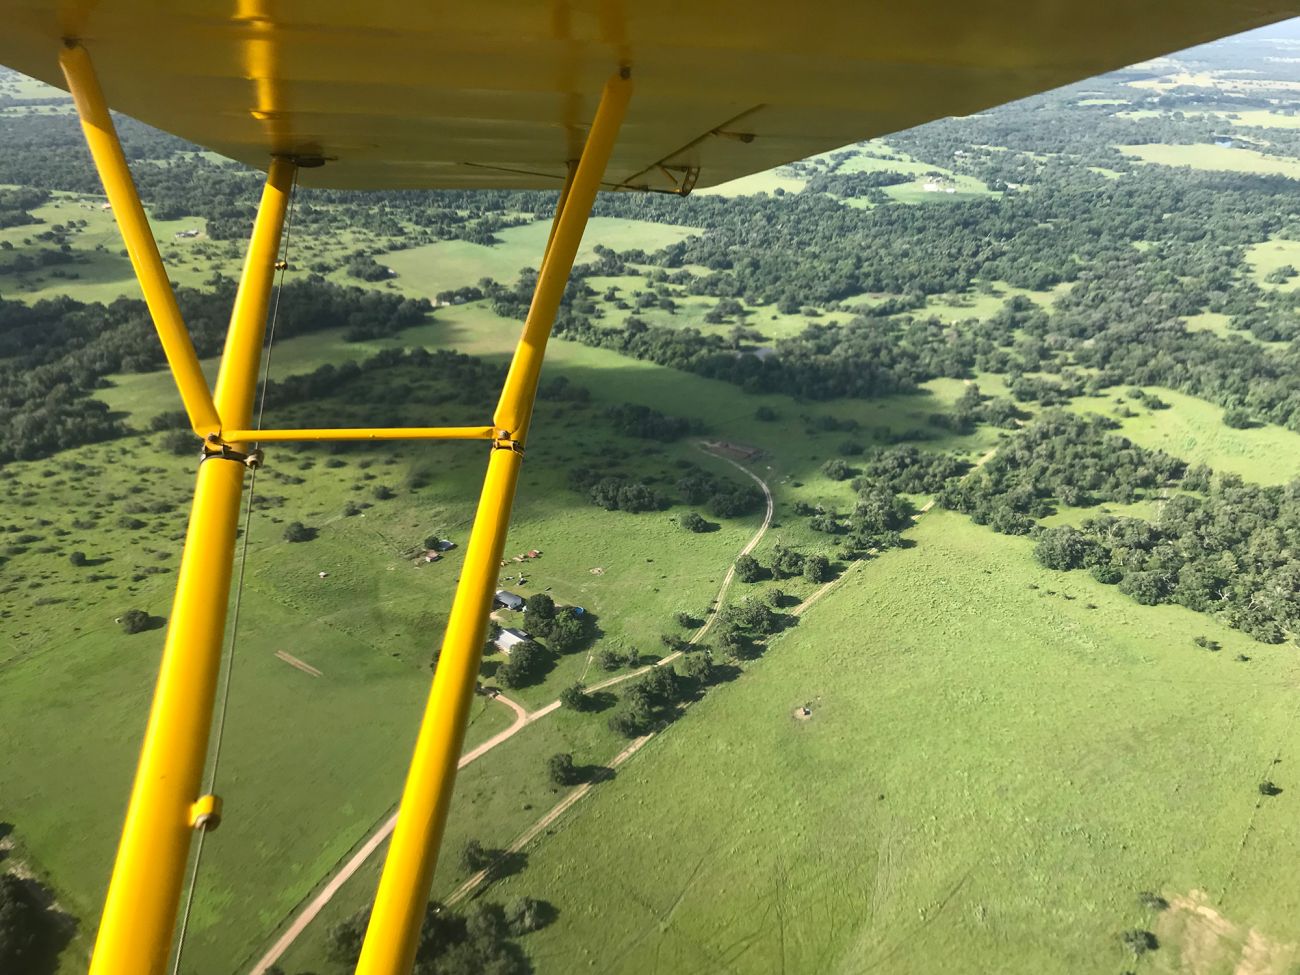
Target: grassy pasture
(990, 775)
(766, 182)
(1269, 255)
(1215, 157)
(310, 764)
(448, 264)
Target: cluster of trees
(647, 423)
(722, 497)
(564, 628)
(1217, 545)
(1061, 457)
(866, 185)
(1225, 552)
(617, 491)
(649, 701)
(481, 939)
(863, 358)
(16, 202)
(785, 563)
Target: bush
(817, 568)
(574, 698)
(77, 558)
(1107, 574)
(1139, 942)
(837, 470)
(179, 442)
(1237, 418)
(136, 621)
(524, 915)
(1062, 548)
(560, 769)
(748, 569)
(473, 857)
(296, 531)
(382, 492)
(693, 522)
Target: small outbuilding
(509, 637)
(509, 600)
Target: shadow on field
(597, 701)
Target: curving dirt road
(523, 718)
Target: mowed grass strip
(990, 775)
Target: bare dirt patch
(1196, 939)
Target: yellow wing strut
(403, 894)
(140, 910)
(106, 150)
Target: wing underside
(499, 93)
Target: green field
(1194, 431)
(774, 179)
(451, 264)
(989, 777)
(302, 783)
(1215, 157)
(1267, 256)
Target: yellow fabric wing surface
(497, 93)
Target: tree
(527, 660)
(1063, 547)
(693, 522)
(574, 697)
(609, 660)
(343, 939)
(699, 668)
(1139, 942)
(776, 598)
(77, 558)
(485, 922)
(560, 769)
(568, 630)
(748, 569)
(296, 531)
(539, 613)
(686, 620)
(523, 914)
(1238, 418)
(837, 470)
(136, 621)
(23, 925)
(473, 857)
(382, 492)
(817, 568)
(786, 562)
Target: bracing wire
(223, 703)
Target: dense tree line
(55, 353)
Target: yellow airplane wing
(498, 93)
